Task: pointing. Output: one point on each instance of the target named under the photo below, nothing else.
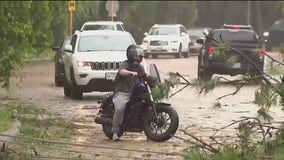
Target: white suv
(103, 25)
(92, 61)
(167, 39)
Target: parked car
(194, 34)
(233, 26)
(103, 25)
(166, 39)
(244, 40)
(93, 59)
(58, 61)
(274, 36)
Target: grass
(6, 118)
(45, 54)
(35, 122)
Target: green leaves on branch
(209, 86)
(16, 32)
(162, 90)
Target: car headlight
(83, 64)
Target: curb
(5, 141)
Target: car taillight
(236, 27)
(211, 51)
(261, 53)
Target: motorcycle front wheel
(107, 129)
(162, 127)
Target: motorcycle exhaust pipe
(103, 120)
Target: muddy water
(197, 116)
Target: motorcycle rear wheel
(164, 127)
(108, 132)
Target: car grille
(158, 43)
(106, 65)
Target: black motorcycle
(159, 121)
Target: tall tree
(85, 11)
(60, 20)
(41, 20)
(15, 33)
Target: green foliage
(7, 116)
(209, 86)
(194, 154)
(265, 97)
(85, 11)
(60, 20)
(41, 20)
(36, 123)
(162, 90)
(16, 32)
(138, 21)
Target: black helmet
(134, 50)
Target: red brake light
(211, 51)
(236, 27)
(261, 53)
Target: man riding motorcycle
(126, 79)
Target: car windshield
(98, 27)
(164, 31)
(235, 36)
(104, 43)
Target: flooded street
(197, 116)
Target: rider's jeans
(119, 99)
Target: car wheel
(204, 74)
(178, 54)
(76, 92)
(186, 54)
(67, 88)
(58, 81)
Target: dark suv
(58, 61)
(244, 40)
(231, 26)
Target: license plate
(237, 65)
(159, 49)
(110, 76)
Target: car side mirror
(55, 48)
(200, 41)
(145, 34)
(68, 48)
